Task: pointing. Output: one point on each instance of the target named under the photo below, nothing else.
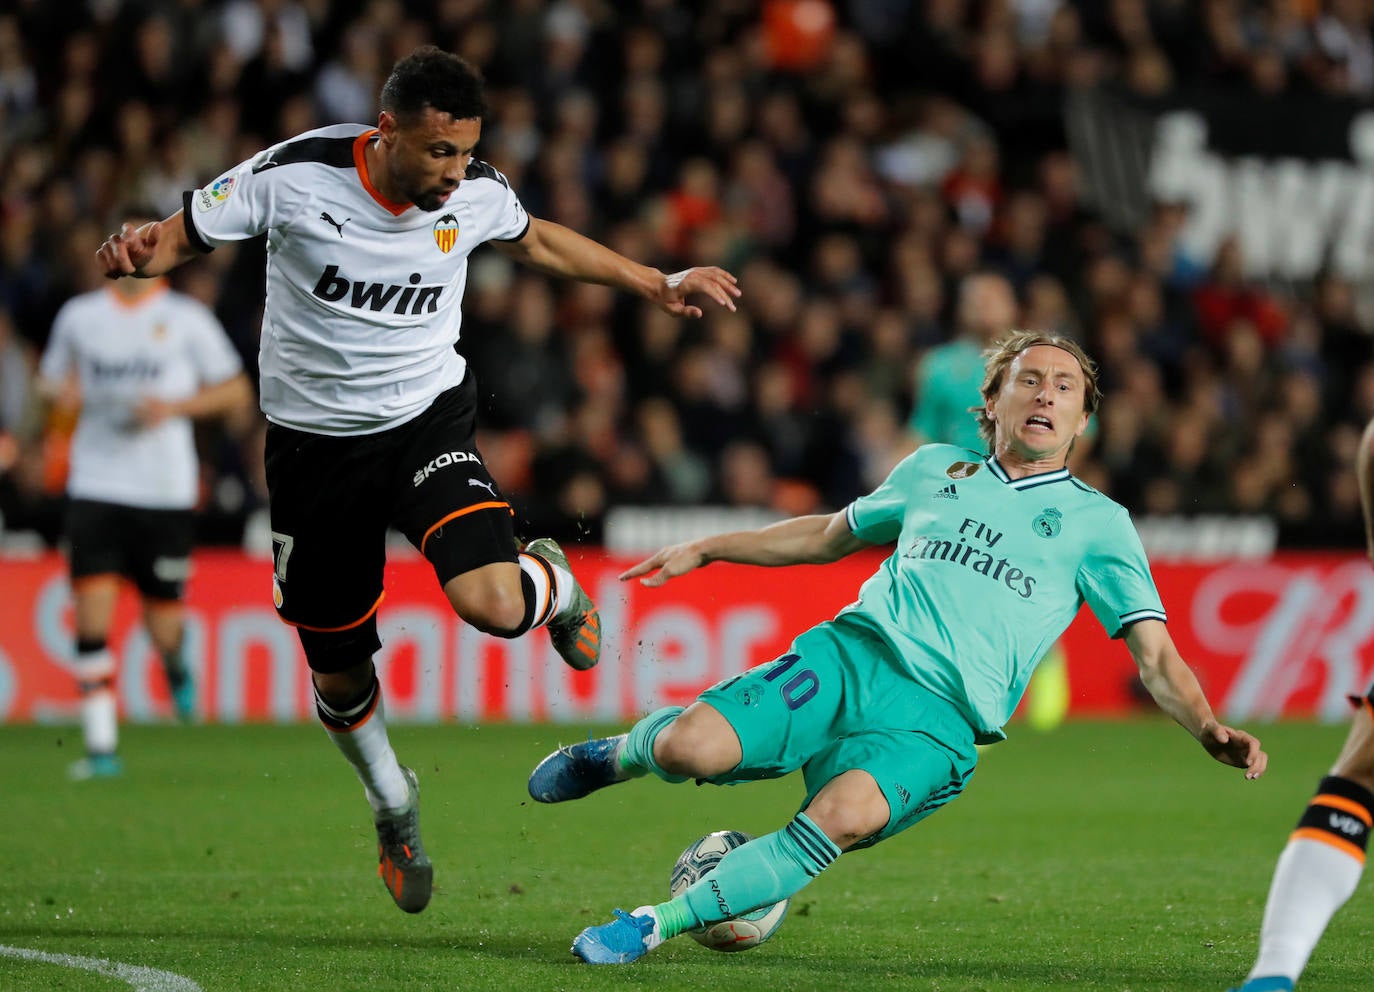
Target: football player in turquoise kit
(882, 708)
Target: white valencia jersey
(166, 346)
(363, 295)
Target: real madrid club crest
(1049, 523)
(962, 470)
(446, 233)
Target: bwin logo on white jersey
(377, 296)
(485, 485)
(444, 461)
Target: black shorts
(333, 498)
(152, 548)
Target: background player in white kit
(142, 361)
(371, 410)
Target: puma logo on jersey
(377, 296)
(338, 225)
(444, 461)
(485, 485)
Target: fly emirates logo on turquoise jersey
(974, 549)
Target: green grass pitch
(1096, 857)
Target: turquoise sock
(174, 665)
(638, 754)
(760, 873)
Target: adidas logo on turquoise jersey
(949, 492)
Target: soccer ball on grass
(742, 932)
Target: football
(742, 932)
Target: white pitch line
(142, 979)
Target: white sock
(655, 938)
(1313, 880)
(550, 598)
(99, 719)
(360, 735)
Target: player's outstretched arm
(230, 399)
(814, 539)
(146, 252)
(1175, 688)
(561, 251)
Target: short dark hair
(432, 77)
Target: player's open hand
(671, 294)
(125, 253)
(669, 563)
(1236, 748)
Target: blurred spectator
(973, 188)
(18, 84)
(253, 26)
(798, 33)
(1347, 51)
(1227, 299)
(686, 476)
(523, 369)
(18, 413)
(346, 86)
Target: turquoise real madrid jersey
(988, 571)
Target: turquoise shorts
(838, 701)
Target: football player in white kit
(142, 361)
(1322, 863)
(371, 410)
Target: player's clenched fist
(125, 253)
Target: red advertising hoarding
(1284, 636)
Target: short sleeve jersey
(166, 346)
(988, 571)
(363, 295)
(950, 380)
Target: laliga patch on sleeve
(213, 195)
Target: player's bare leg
(94, 600)
(166, 624)
(509, 599)
(575, 628)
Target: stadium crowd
(852, 162)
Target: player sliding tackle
(882, 708)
